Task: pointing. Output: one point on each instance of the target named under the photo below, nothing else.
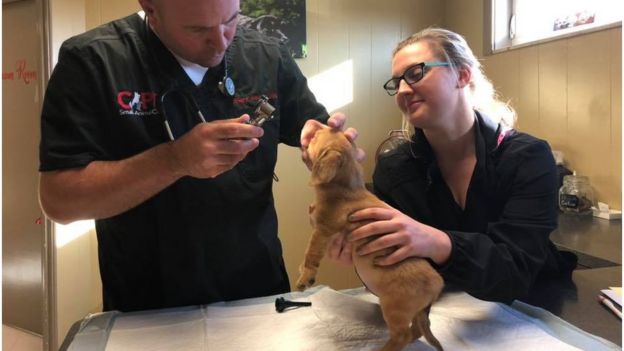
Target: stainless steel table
(598, 244)
(576, 302)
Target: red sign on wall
(21, 73)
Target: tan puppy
(407, 289)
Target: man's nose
(218, 38)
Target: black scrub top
(500, 239)
(199, 240)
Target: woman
(476, 198)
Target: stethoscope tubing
(164, 113)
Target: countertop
(597, 241)
(598, 244)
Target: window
(517, 23)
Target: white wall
(77, 287)
(566, 91)
(22, 233)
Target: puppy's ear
(326, 166)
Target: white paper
(613, 295)
(336, 321)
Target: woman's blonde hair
(451, 47)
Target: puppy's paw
(306, 279)
(302, 285)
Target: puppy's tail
(424, 325)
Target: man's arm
(106, 188)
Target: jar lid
(573, 177)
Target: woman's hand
(339, 249)
(408, 237)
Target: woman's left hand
(408, 237)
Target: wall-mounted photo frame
(282, 19)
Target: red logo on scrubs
(137, 103)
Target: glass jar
(576, 195)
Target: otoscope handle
(282, 304)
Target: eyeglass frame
(422, 65)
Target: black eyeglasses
(412, 75)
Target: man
(184, 209)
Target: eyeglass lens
(411, 75)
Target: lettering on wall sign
(21, 73)
(8, 76)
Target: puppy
(407, 289)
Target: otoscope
(281, 304)
(263, 113)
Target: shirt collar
(194, 71)
(175, 68)
(489, 131)
(486, 142)
(486, 130)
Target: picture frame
(284, 20)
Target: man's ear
(464, 76)
(148, 8)
(326, 166)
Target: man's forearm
(104, 189)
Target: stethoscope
(226, 86)
(263, 111)
(163, 107)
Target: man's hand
(212, 148)
(337, 121)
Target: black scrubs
(199, 240)
(500, 239)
